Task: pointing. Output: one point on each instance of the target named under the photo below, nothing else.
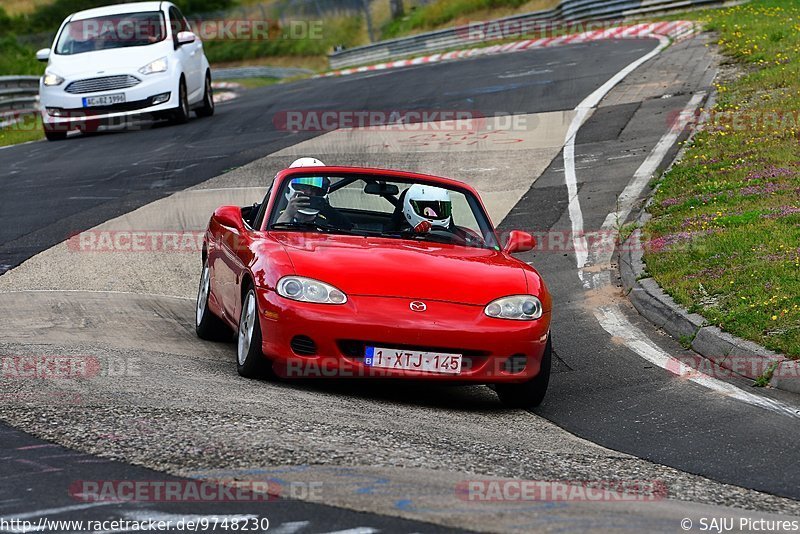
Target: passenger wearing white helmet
(426, 207)
(307, 198)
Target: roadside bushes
(312, 41)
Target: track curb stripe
(673, 30)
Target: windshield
(110, 32)
(372, 206)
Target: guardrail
(19, 95)
(567, 10)
(234, 73)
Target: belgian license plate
(412, 360)
(105, 100)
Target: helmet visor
(436, 210)
(313, 186)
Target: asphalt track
(601, 391)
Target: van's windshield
(110, 32)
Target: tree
(397, 9)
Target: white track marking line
(7, 147)
(641, 178)
(357, 530)
(55, 511)
(583, 111)
(614, 322)
(611, 318)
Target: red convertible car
(357, 272)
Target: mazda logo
(418, 306)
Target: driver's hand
(423, 228)
(297, 202)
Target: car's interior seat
(398, 219)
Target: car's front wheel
(207, 109)
(207, 325)
(531, 393)
(55, 134)
(181, 113)
(250, 360)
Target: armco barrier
(19, 95)
(567, 10)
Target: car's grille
(106, 83)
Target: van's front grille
(106, 83)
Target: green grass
(724, 239)
(30, 129)
(441, 13)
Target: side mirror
(186, 38)
(43, 55)
(230, 216)
(519, 241)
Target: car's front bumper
(340, 333)
(59, 108)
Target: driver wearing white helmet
(426, 207)
(307, 199)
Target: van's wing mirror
(186, 38)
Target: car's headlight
(51, 79)
(517, 307)
(159, 65)
(309, 290)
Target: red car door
(232, 258)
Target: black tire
(181, 114)
(531, 393)
(250, 359)
(207, 109)
(54, 135)
(207, 325)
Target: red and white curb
(675, 30)
(225, 91)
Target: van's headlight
(517, 307)
(51, 79)
(309, 290)
(159, 65)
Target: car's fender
(537, 287)
(270, 262)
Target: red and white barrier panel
(674, 30)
